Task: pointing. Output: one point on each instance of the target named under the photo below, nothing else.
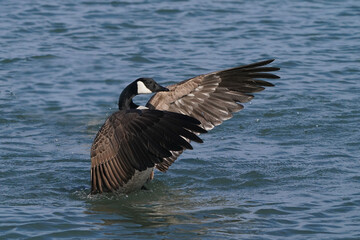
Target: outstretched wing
(212, 98)
(136, 140)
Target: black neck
(125, 99)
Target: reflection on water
(156, 209)
(163, 211)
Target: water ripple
(284, 167)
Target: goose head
(139, 86)
(148, 85)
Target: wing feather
(213, 98)
(136, 140)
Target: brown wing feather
(212, 98)
(135, 140)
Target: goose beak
(160, 88)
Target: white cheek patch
(142, 89)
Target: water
(286, 167)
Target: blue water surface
(285, 167)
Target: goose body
(135, 140)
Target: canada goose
(133, 141)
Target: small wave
(10, 60)
(36, 57)
(139, 59)
(46, 56)
(167, 11)
(271, 211)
